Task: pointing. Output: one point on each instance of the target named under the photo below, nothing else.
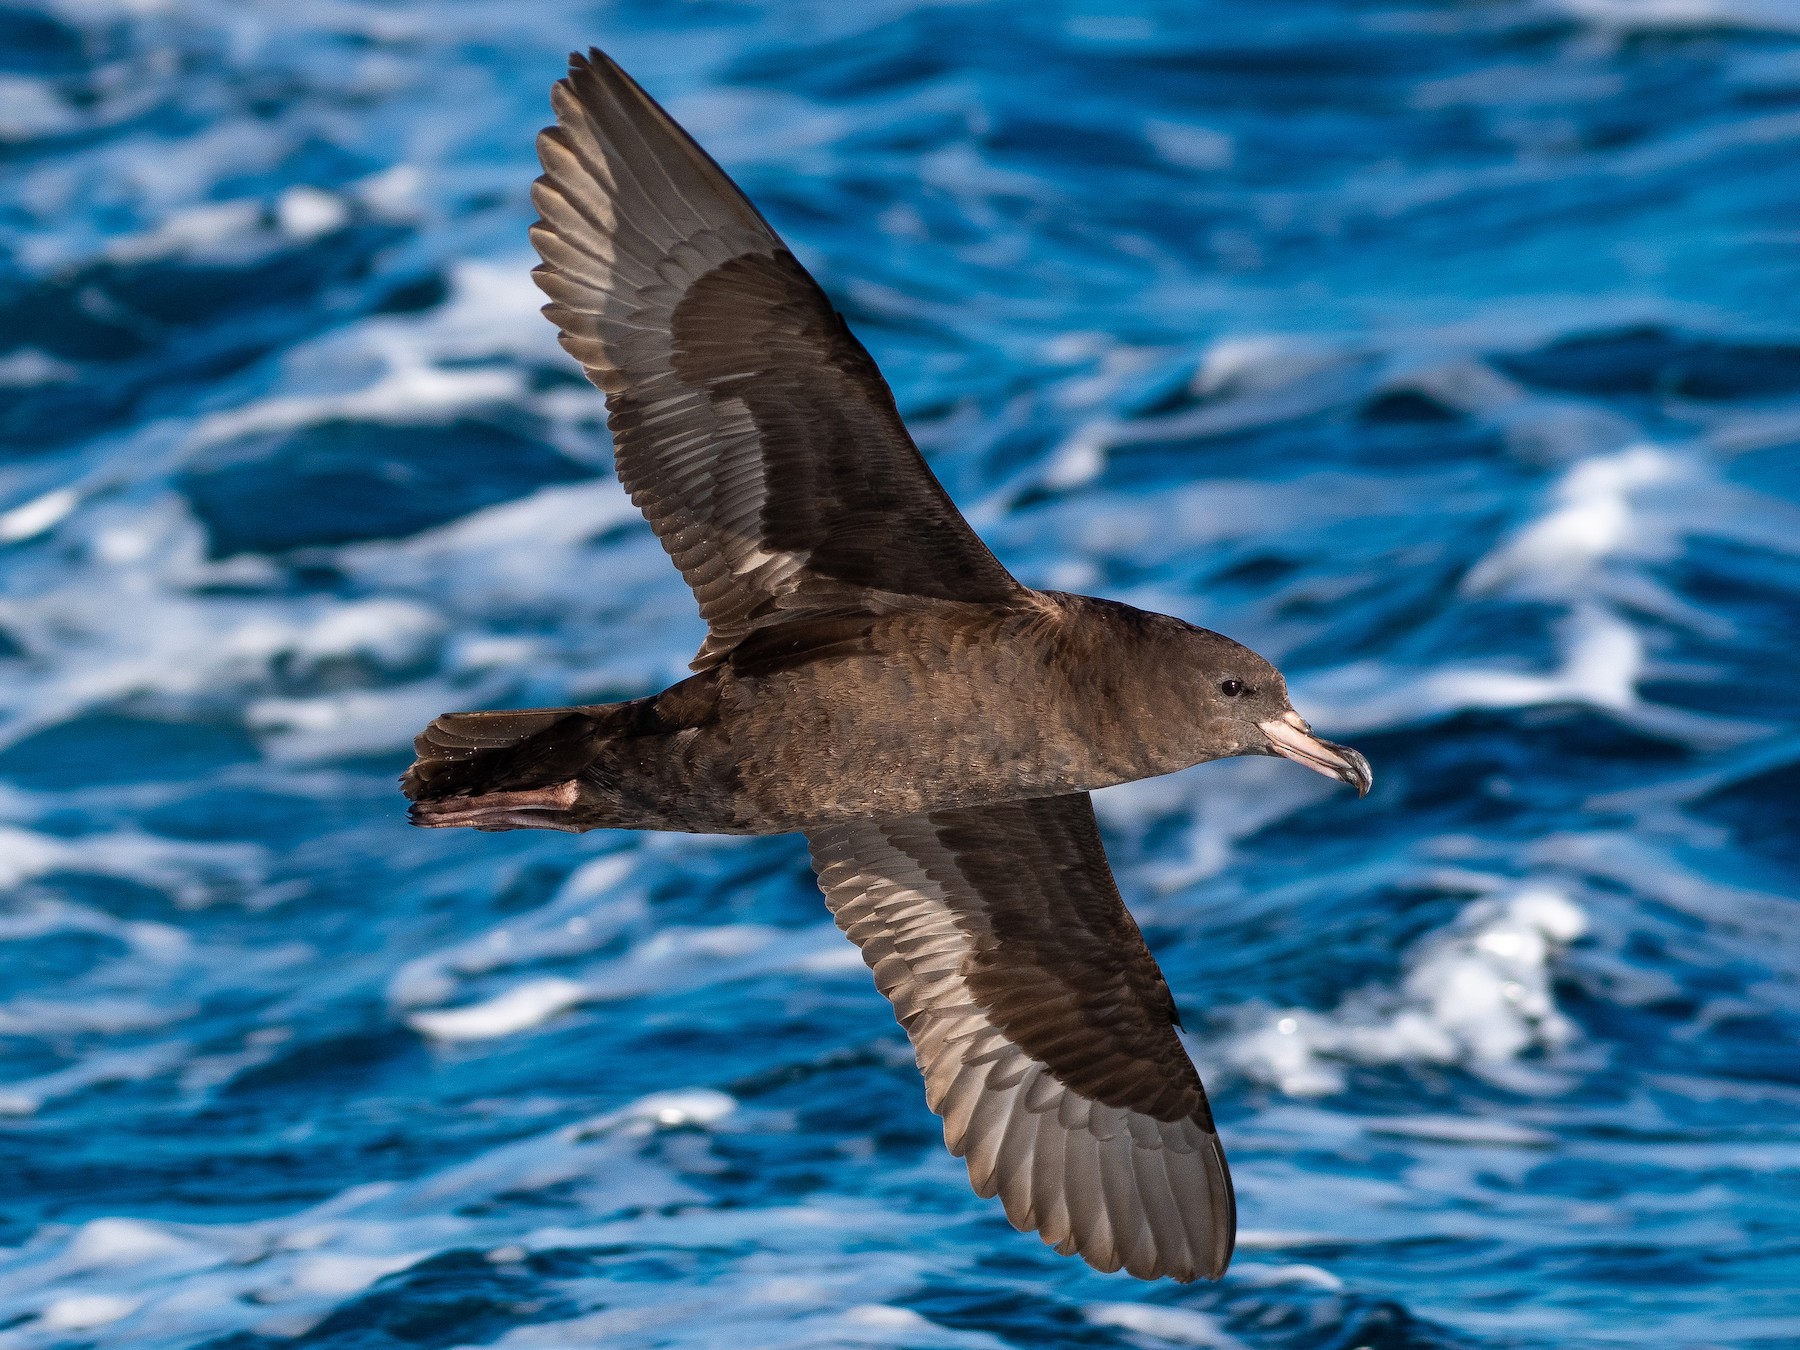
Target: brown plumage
(874, 678)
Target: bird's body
(940, 705)
(874, 679)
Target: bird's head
(1244, 707)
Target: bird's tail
(508, 770)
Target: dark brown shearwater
(875, 679)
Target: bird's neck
(1128, 674)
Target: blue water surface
(1447, 353)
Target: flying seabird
(873, 678)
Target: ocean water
(1447, 353)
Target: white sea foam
(49, 1017)
(28, 1096)
(523, 1006)
(1603, 659)
(1593, 520)
(84, 1312)
(1246, 382)
(129, 627)
(135, 1282)
(190, 873)
(32, 518)
(137, 625)
(308, 212)
(1458, 1130)
(1189, 144)
(425, 368)
(1477, 995)
(597, 904)
(32, 108)
(1261, 1275)
(356, 722)
(104, 1243)
(667, 961)
(1612, 514)
(218, 232)
(411, 391)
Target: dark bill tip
(1290, 737)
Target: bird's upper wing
(1042, 1025)
(748, 423)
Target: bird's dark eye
(1231, 688)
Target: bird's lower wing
(749, 425)
(1043, 1027)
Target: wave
(1477, 995)
(1445, 356)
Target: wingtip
(591, 64)
(594, 59)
